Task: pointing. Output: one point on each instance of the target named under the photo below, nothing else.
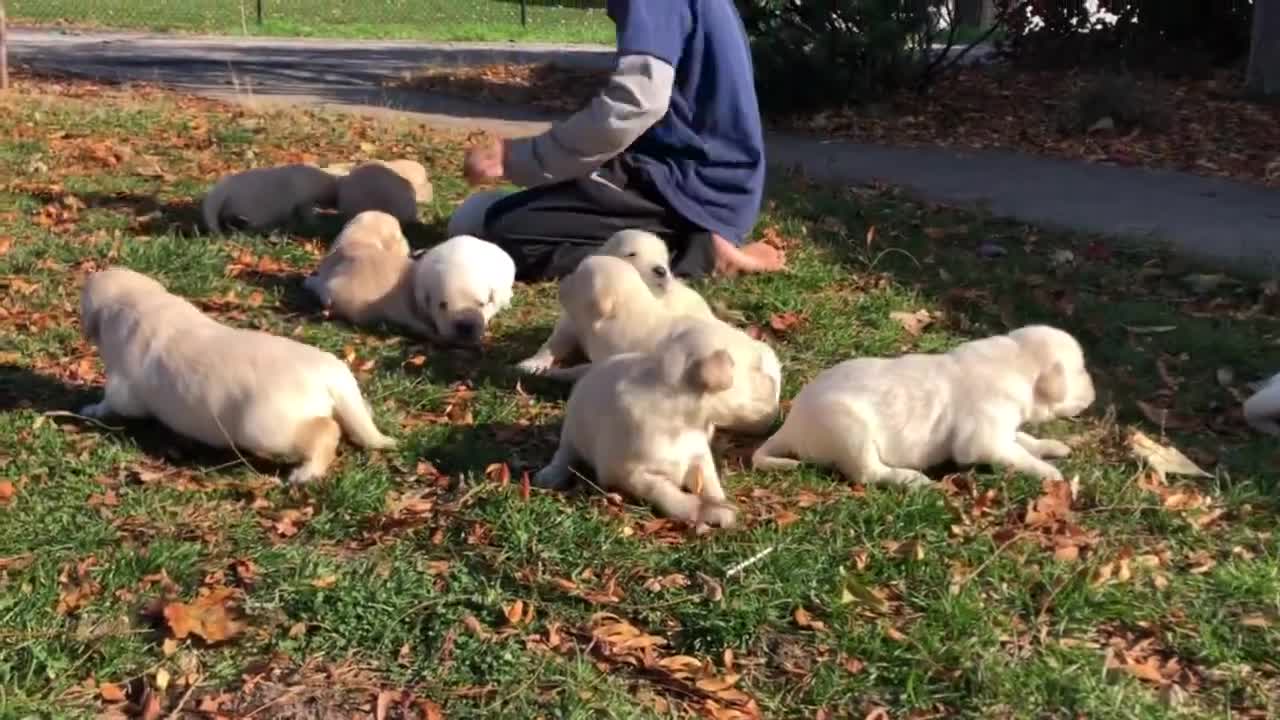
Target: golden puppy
(640, 420)
(225, 387)
(886, 420)
(265, 199)
(395, 187)
(461, 284)
(647, 253)
(367, 277)
(611, 311)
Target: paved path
(1225, 222)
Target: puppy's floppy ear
(712, 373)
(1051, 385)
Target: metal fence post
(524, 13)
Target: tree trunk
(975, 13)
(1264, 55)
(4, 48)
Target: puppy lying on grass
(1262, 409)
(266, 199)
(647, 253)
(395, 187)
(460, 285)
(642, 422)
(249, 390)
(367, 277)
(886, 420)
(611, 312)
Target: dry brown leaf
(913, 322)
(7, 491)
(111, 693)
(806, 621)
(326, 581)
(783, 323)
(1164, 460)
(208, 617)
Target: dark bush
(810, 54)
(1174, 37)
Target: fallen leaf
(783, 323)
(1164, 460)
(7, 491)
(208, 617)
(111, 692)
(806, 621)
(324, 582)
(914, 323)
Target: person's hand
(484, 163)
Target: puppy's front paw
(910, 479)
(717, 514)
(552, 477)
(303, 474)
(96, 411)
(536, 365)
(1054, 449)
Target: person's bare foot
(756, 257)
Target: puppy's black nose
(660, 271)
(466, 328)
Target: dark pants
(549, 229)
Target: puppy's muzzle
(468, 330)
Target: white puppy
(640, 420)
(885, 420)
(395, 187)
(1262, 409)
(367, 277)
(611, 311)
(226, 387)
(264, 199)
(460, 285)
(468, 218)
(647, 253)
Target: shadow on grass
(23, 389)
(470, 448)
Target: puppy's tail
(772, 455)
(1262, 409)
(354, 416)
(211, 208)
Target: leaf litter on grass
(669, 568)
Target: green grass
(927, 608)
(574, 21)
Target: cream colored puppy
(461, 284)
(468, 218)
(394, 187)
(886, 420)
(1262, 409)
(265, 199)
(647, 253)
(611, 311)
(641, 421)
(225, 387)
(367, 277)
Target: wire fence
(564, 21)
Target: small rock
(992, 250)
(1062, 257)
(1226, 376)
(1106, 124)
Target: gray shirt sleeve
(637, 96)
